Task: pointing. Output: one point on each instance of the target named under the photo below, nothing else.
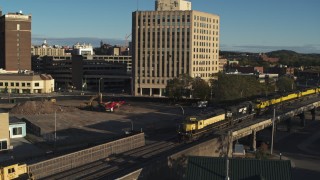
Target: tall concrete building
(15, 41)
(169, 42)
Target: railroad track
(116, 163)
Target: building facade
(15, 41)
(46, 50)
(82, 49)
(109, 73)
(169, 43)
(4, 131)
(26, 83)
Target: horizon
(246, 26)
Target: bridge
(283, 114)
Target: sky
(245, 25)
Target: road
(303, 149)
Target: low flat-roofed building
(17, 128)
(4, 131)
(26, 82)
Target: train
(13, 171)
(194, 127)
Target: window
(18, 27)
(1, 83)
(17, 131)
(11, 170)
(23, 84)
(3, 144)
(17, 84)
(12, 84)
(6, 84)
(28, 85)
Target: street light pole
(181, 108)
(99, 84)
(55, 126)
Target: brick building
(15, 41)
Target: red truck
(112, 105)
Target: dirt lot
(82, 126)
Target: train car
(309, 92)
(263, 104)
(13, 171)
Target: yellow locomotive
(196, 126)
(12, 171)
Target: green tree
(201, 89)
(285, 84)
(231, 87)
(179, 87)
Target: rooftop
(208, 168)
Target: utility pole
(227, 157)
(273, 121)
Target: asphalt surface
(302, 148)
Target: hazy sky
(246, 25)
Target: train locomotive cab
(187, 128)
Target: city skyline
(245, 26)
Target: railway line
(117, 163)
(111, 167)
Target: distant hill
(286, 57)
(295, 59)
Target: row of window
(205, 68)
(169, 17)
(203, 31)
(17, 84)
(205, 19)
(205, 62)
(203, 75)
(205, 25)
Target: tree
(231, 87)
(201, 89)
(179, 87)
(285, 84)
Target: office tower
(15, 41)
(167, 43)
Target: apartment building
(15, 41)
(172, 41)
